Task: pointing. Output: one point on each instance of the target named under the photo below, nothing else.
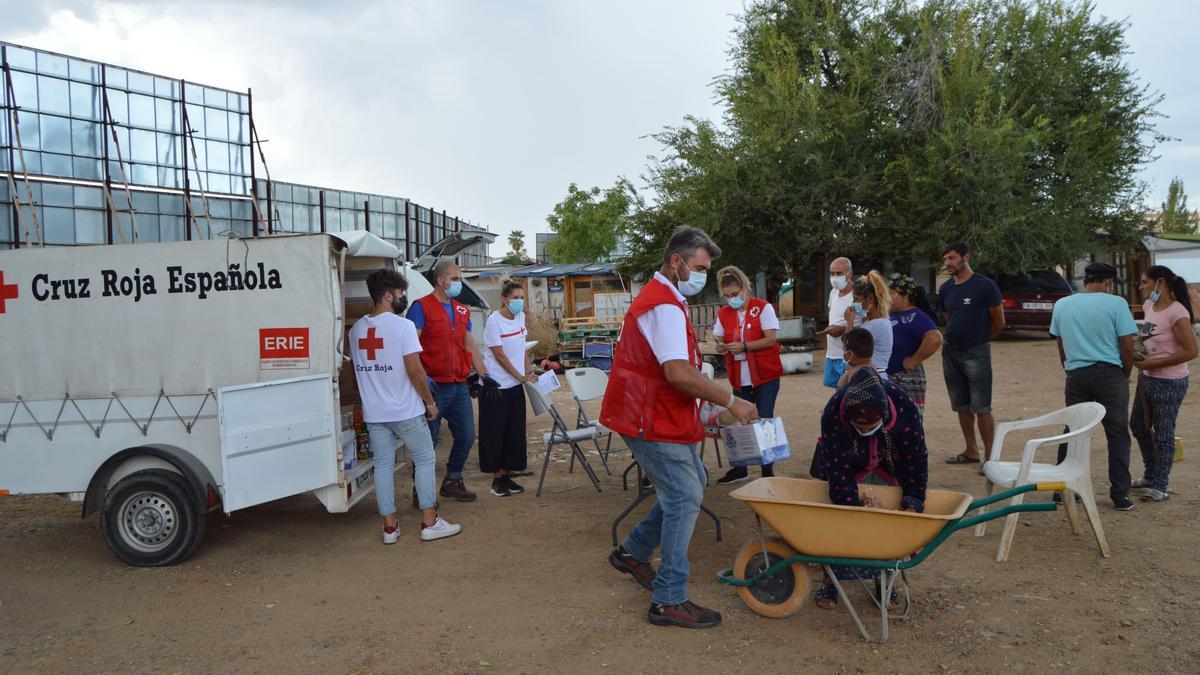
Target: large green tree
(884, 128)
(590, 223)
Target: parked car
(1028, 299)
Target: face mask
(871, 432)
(1155, 295)
(859, 311)
(516, 306)
(399, 304)
(693, 284)
(736, 302)
(455, 289)
(838, 283)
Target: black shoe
(1123, 503)
(686, 614)
(1058, 498)
(768, 471)
(642, 572)
(499, 489)
(735, 475)
(455, 489)
(512, 485)
(647, 483)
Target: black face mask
(398, 306)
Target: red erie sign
(283, 343)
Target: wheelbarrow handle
(1051, 486)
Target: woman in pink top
(1170, 343)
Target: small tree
(1175, 215)
(589, 223)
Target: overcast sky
(490, 109)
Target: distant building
(543, 257)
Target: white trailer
(157, 382)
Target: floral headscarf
(903, 284)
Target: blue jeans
(968, 374)
(414, 433)
(453, 401)
(834, 369)
(763, 397)
(679, 479)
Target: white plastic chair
(1075, 470)
(707, 370)
(588, 384)
(560, 434)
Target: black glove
(491, 390)
(473, 385)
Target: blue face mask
(455, 289)
(736, 302)
(859, 311)
(516, 306)
(1155, 295)
(693, 284)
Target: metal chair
(560, 434)
(588, 384)
(1075, 470)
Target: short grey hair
(686, 240)
(442, 268)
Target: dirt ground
(287, 587)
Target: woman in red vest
(745, 330)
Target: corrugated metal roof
(566, 270)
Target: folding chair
(560, 434)
(714, 433)
(598, 354)
(588, 384)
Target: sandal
(962, 458)
(893, 602)
(827, 597)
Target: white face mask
(870, 432)
(838, 283)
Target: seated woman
(871, 433)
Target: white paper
(548, 382)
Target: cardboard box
(760, 442)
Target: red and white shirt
(378, 346)
(508, 334)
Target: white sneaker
(440, 529)
(393, 536)
(1142, 483)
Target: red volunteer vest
(443, 344)
(639, 401)
(765, 364)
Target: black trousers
(502, 431)
(1107, 385)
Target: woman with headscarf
(871, 433)
(915, 337)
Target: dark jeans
(453, 401)
(763, 397)
(1107, 385)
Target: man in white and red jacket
(651, 400)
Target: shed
(576, 290)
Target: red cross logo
(7, 292)
(370, 344)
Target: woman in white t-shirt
(872, 303)
(502, 402)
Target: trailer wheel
(779, 595)
(151, 518)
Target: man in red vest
(651, 402)
(448, 353)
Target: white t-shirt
(665, 327)
(378, 346)
(768, 321)
(838, 304)
(508, 334)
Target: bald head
(445, 269)
(841, 267)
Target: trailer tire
(152, 518)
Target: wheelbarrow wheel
(779, 595)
